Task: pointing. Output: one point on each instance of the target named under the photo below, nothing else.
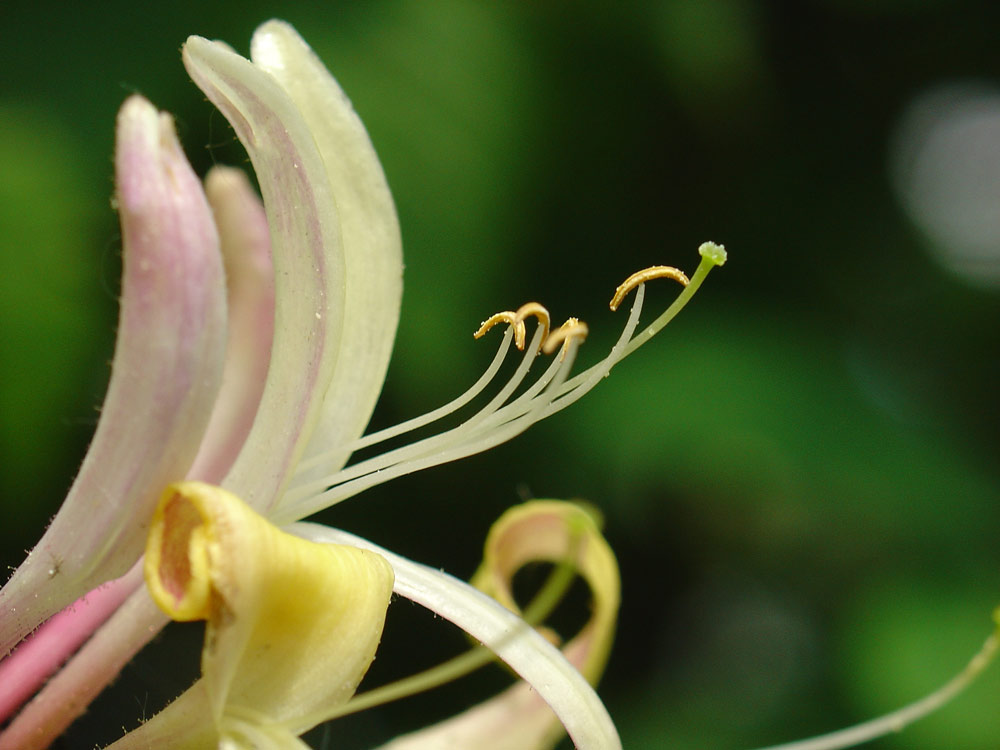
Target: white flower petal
(372, 245)
(536, 660)
(308, 263)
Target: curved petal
(537, 531)
(372, 245)
(536, 660)
(308, 263)
(292, 625)
(246, 253)
(164, 378)
(43, 652)
(556, 531)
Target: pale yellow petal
(371, 240)
(308, 263)
(292, 625)
(524, 650)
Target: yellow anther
(571, 329)
(641, 277)
(503, 317)
(533, 308)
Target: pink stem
(96, 664)
(45, 650)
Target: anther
(571, 329)
(641, 277)
(503, 317)
(533, 308)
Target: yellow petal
(292, 625)
(547, 674)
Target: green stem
(899, 719)
(709, 260)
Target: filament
(384, 465)
(478, 433)
(505, 415)
(425, 419)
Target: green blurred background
(799, 476)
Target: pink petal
(246, 252)
(164, 379)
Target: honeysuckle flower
(260, 379)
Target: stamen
(505, 416)
(572, 328)
(580, 384)
(305, 499)
(712, 255)
(492, 425)
(432, 416)
(647, 274)
(526, 402)
(533, 308)
(504, 317)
